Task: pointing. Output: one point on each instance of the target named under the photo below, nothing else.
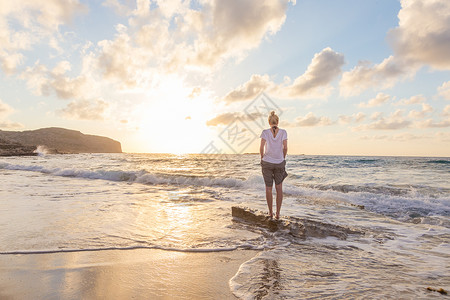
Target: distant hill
(55, 140)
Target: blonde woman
(273, 152)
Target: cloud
(230, 28)
(119, 8)
(323, 69)
(120, 61)
(443, 136)
(5, 124)
(423, 33)
(376, 115)
(377, 101)
(433, 124)
(401, 137)
(230, 117)
(446, 111)
(196, 91)
(345, 119)
(310, 120)
(357, 117)
(412, 100)
(43, 81)
(444, 90)
(415, 43)
(250, 89)
(85, 110)
(5, 111)
(426, 108)
(170, 36)
(383, 75)
(393, 122)
(26, 23)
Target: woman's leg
(279, 189)
(269, 199)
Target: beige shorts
(273, 172)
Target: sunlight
(173, 122)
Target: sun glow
(172, 121)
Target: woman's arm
(284, 148)
(261, 147)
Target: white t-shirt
(273, 149)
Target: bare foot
(277, 216)
(270, 215)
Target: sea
(397, 210)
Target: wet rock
(358, 206)
(298, 227)
(8, 148)
(441, 290)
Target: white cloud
(444, 90)
(433, 124)
(393, 122)
(311, 120)
(376, 115)
(5, 111)
(5, 124)
(423, 33)
(443, 136)
(422, 37)
(380, 76)
(426, 108)
(345, 119)
(43, 81)
(27, 22)
(250, 89)
(446, 111)
(120, 61)
(377, 101)
(119, 8)
(412, 100)
(357, 117)
(323, 69)
(169, 36)
(230, 28)
(85, 110)
(230, 117)
(401, 137)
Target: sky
(346, 77)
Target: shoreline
(112, 274)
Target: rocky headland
(54, 140)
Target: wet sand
(112, 274)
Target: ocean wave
(402, 202)
(439, 161)
(140, 176)
(424, 205)
(194, 250)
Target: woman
(273, 152)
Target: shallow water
(86, 202)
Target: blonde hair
(273, 118)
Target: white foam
(137, 176)
(41, 150)
(156, 247)
(405, 206)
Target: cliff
(55, 140)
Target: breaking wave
(411, 203)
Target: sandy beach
(116, 274)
